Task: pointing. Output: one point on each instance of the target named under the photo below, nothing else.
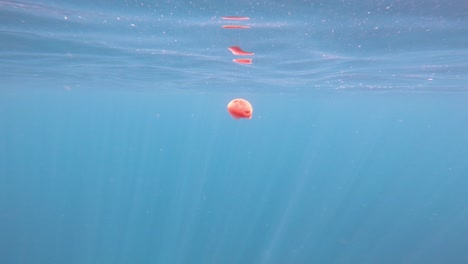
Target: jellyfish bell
(235, 26)
(240, 108)
(243, 61)
(236, 50)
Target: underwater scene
(229, 132)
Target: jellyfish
(243, 61)
(236, 50)
(240, 108)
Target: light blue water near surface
(116, 146)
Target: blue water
(116, 146)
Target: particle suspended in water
(240, 108)
(236, 50)
(235, 26)
(243, 61)
(235, 18)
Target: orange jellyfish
(240, 108)
(235, 26)
(243, 61)
(236, 50)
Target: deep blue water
(116, 146)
